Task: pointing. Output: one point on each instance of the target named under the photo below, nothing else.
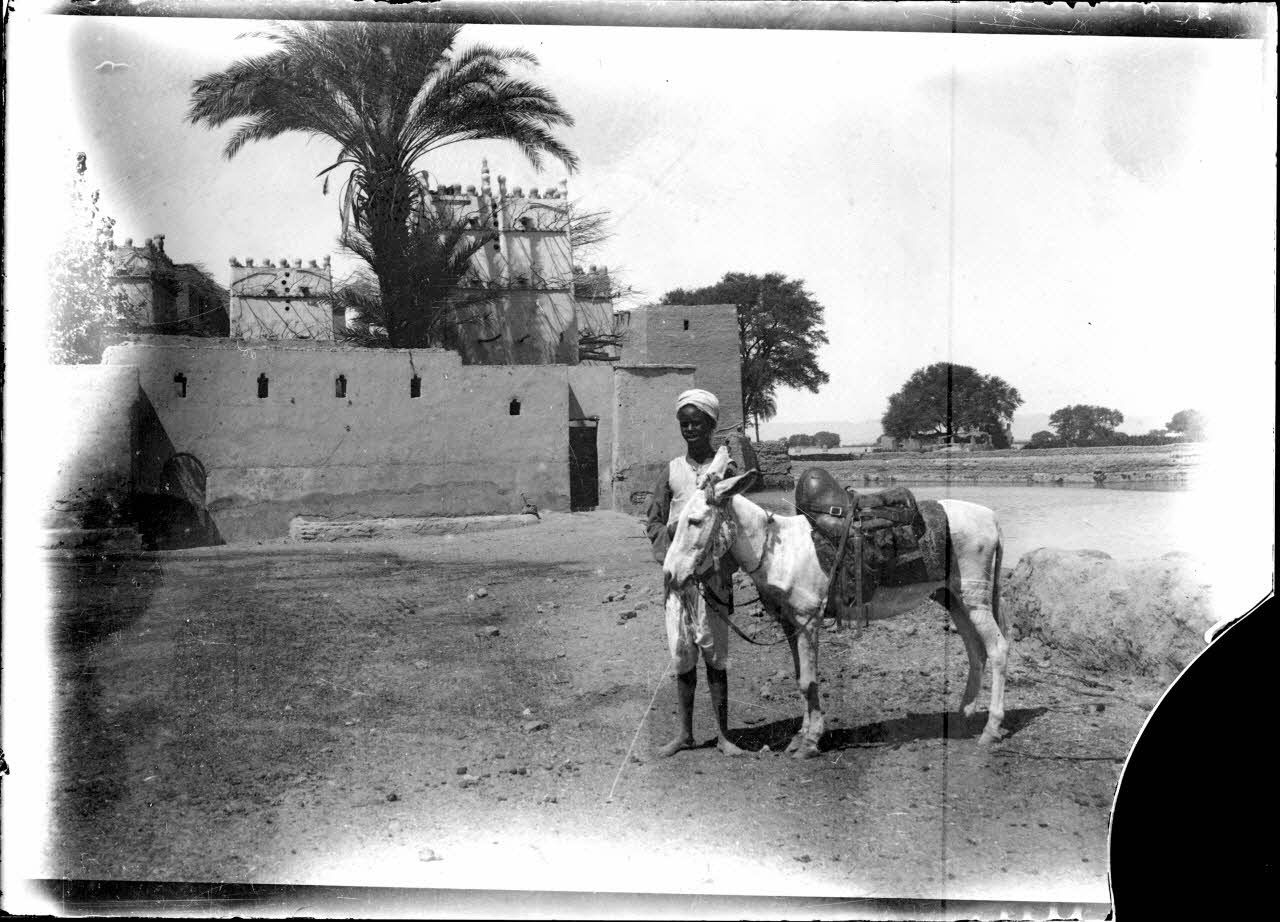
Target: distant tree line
(821, 439)
(1087, 426)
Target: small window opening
(514, 408)
(262, 385)
(686, 324)
(180, 384)
(306, 292)
(415, 386)
(340, 386)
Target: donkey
(777, 552)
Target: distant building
(168, 297)
(968, 439)
(283, 301)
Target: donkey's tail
(997, 566)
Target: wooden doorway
(584, 466)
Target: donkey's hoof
(795, 743)
(807, 750)
(990, 737)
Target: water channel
(1125, 523)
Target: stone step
(315, 528)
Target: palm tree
(389, 94)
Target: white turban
(703, 400)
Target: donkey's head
(702, 534)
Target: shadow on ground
(894, 732)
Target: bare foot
(677, 744)
(728, 748)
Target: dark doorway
(584, 470)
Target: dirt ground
(472, 711)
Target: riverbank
(1170, 465)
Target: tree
(826, 439)
(779, 332)
(946, 400)
(800, 440)
(389, 94)
(1042, 438)
(1189, 423)
(1083, 422)
(84, 307)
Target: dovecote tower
(283, 300)
(519, 307)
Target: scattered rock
(539, 609)
(626, 615)
(490, 631)
(608, 598)
(481, 592)
(460, 770)
(427, 854)
(552, 605)
(468, 781)
(804, 859)
(393, 797)
(420, 664)
(550, 799)
(621, 596)
(531, 726)
(471, 596)
(636, 760)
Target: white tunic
(695, 620)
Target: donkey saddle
(863, 540)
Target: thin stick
(1032, 755)
(636, 736)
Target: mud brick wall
(703, 336)
(339, 433)
(775, 465)
(645, 434)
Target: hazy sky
(1089, 218)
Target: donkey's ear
(720, 463)
(716, 470)
(726, 488)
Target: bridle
(709, 594)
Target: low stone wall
(1146, 617)
(774, 465)
(1160, 464)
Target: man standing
(703, 624)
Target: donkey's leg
(979, 597)
(814, 725)
(793, 641)
(951, 600)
